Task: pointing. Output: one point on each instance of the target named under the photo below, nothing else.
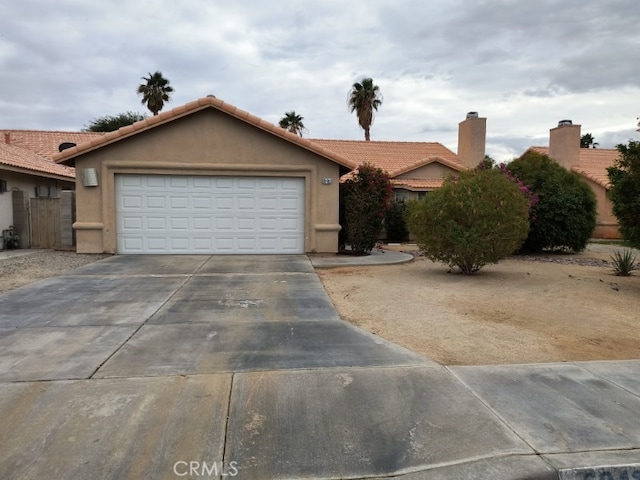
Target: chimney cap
(564, 123)
(472, 115)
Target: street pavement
(239, 367)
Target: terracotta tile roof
(395, 158)
(23, 160)
(68, 156)
(44, 143)
(593, 163)
(417, 183)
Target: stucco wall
(606, 222)
(430, 171)
(205, 143)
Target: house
(416, 168)
(27, 173)
(205, 177)
(591, 164)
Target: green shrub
(625, 191)
(565, 216)
(364, 199)
(623, 263)
(474, 219)
(395, 223)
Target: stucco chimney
(472, 136)
(564, 143)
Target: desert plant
(565, 215)
(364, 199)
(395, 223)
(623, 262)
(477, 218)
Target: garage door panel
(192, 214)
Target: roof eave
(37, 173)
(67, 157)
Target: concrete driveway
(239, 366)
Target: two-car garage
(209, 214)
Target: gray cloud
(523, 64)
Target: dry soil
(555, 308)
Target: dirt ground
(518, 311)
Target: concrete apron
(239, 366)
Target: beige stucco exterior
(606, 221)
(206, 142)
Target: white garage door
(196, 214)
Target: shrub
(625, 192)
(395, 223)
(565, 215)
(474, 219)
(364, 199)
(623, 263)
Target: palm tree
(292, 123)
(364, 98)
(155, 92)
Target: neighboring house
(205, 177)
(27, 172)
(416, 168)
(591, 164)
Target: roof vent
(65, 145)
(564, 123)
(472, 115)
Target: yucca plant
(623, 262)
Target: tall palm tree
(292, 122)
(155, 92)
(364, 98)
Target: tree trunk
(367, 136)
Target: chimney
(472, 135)
(7, 138)
(564, 143)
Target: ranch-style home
(206, 177)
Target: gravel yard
(547, 308)
(21, 267)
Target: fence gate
(45, 222)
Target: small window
(42, 191)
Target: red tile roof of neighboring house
(593, 163)
(395, 158)
(44, 143)
(417, 183)
(23, 160)
(68, 156)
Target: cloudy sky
(523, 64)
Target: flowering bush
(564, 216)
(474, 219)
(364, 199)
